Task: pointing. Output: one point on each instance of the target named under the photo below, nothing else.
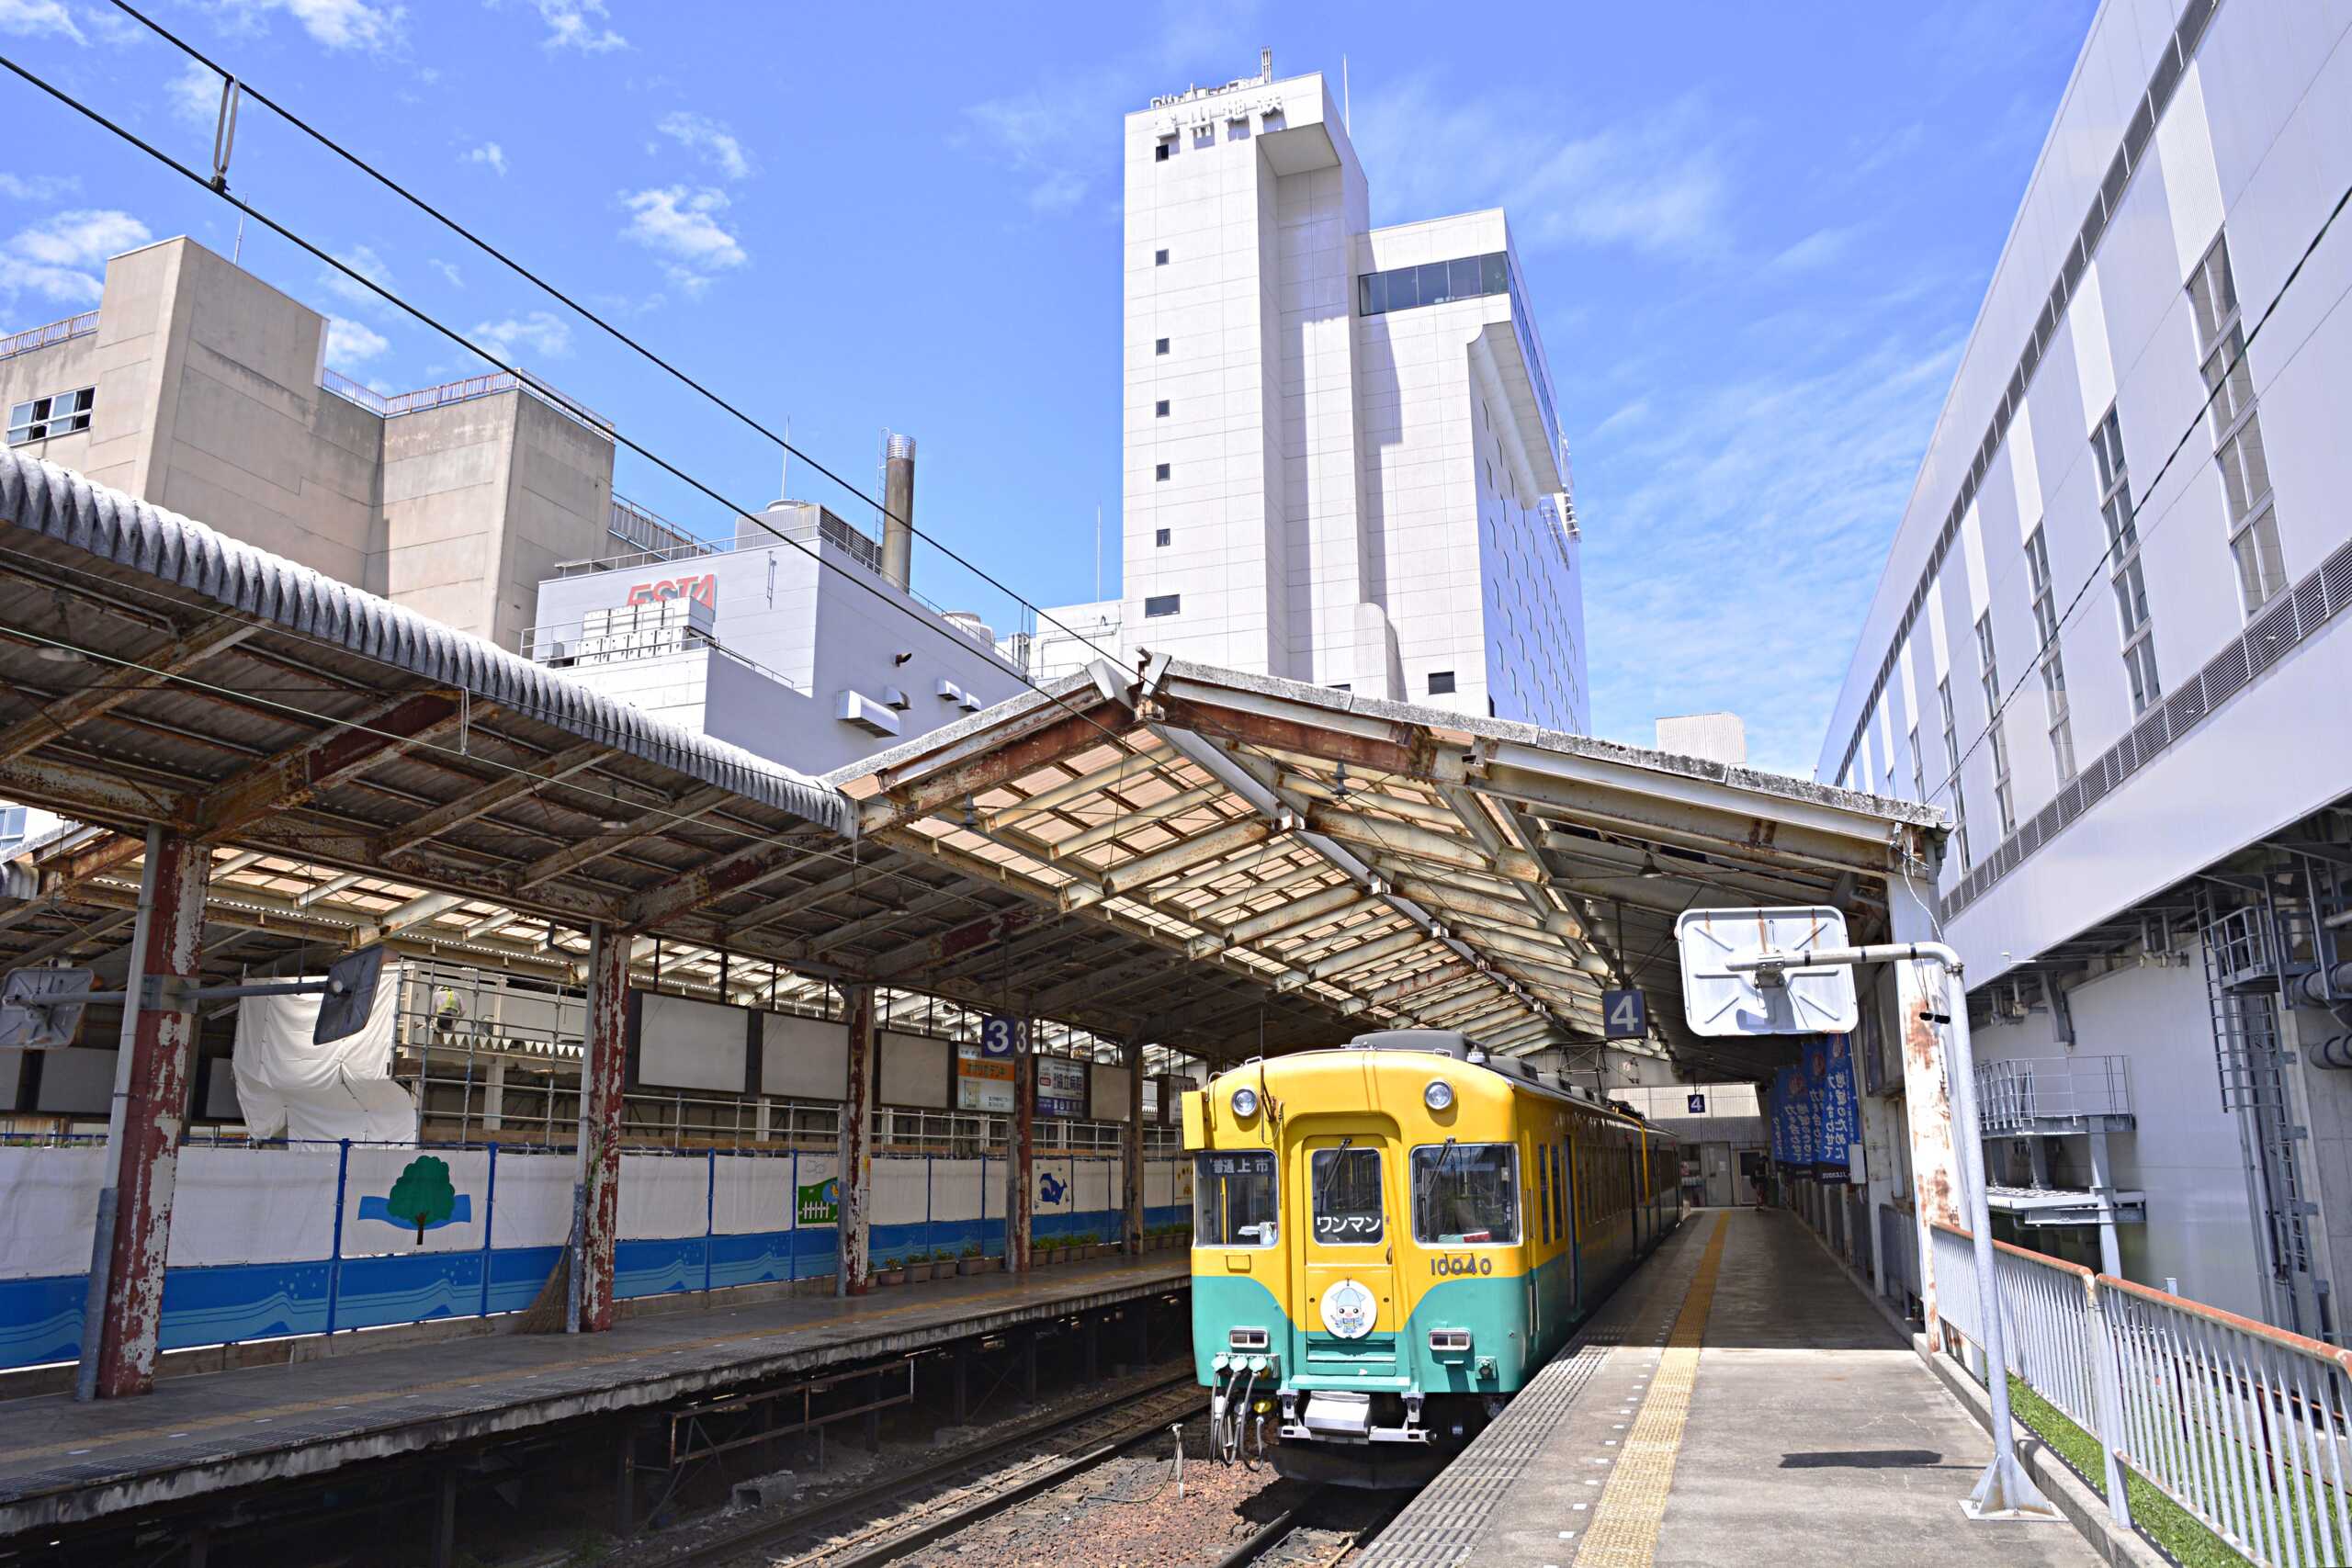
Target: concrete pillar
(603, 1077)
(2111, 1256)
(1927, 1091)
(1130, 1152)
(1021, 1175)
(854, 1236)
(149, 1108)
(494, 1095)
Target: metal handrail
(2016, 1093)
(49, 333)
(394, 404)
(2241, 1423)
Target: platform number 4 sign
(1624, 1015)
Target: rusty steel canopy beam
(68, 713)
(730, 873)
(503, 791)
(559, 862)
(906, 795)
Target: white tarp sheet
(664, 1196)
(290, 1088)
(234, 1205)
(48, 1202)
(752, 1195)
(534, 1200)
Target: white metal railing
(2242, 1424)
(42, 336)
(2014, 1094)
(392, 405)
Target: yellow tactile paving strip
(1632, 1506)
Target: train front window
(1348, 1207)
(1233, 1199)
(1465, 1195)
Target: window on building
(1160, 605)
(2123, 564)
(2053, 669)
(1919, 769)
(1435, 283)
(1988, 669)
(1164, 150)
(2237, 431)
(1160, 470)
(1160, 258)
(1160, 345)
(62, 413)
(1951, 759)
(1161, 536)
(1237, 129)
(1160, 408)
(1441, 682)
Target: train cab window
(1348, 1209)
(1233, 1199)
(1466, 1194)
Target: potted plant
(890, 1274)
(973, 1260)
(943, 1263)
(919, 1268)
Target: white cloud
(538, 332)
(1653, 183)
(36, 188)
(709, 141)
(491, 154)
(33, 19)
(353, 342)
(338, 24)
(577, 24)
(367, 264)
(1819, 249)
(1059, 192)
(449, 271)
(683, 226)
(194, 94)
(51, 258)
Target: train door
(1349, 1312)
(1635, 1200)
(1571, 1199)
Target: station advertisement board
(1061, 1087)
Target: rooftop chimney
(897, 508)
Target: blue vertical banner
(1786, 1142)
(1829, 1087)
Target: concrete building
(795, 639)
(198, 387)
(2110, 641)
(1718, 737)
(1341, 459)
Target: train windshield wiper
(1323, 1182)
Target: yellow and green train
(1390, 1237)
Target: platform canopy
(1211, 861)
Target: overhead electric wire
(458, 229)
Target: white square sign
(1718, 1000)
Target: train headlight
(1245, 1103)
(1439, 1095)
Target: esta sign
(702, 589)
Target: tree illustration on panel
(422, 1196)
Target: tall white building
(1342, 462)
(2111, 640)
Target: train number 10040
(1445, 1268)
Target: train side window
(1233, 1199)
(1466, 1194)
(1348, 1209)
(1541, 1182)
(1559, 1192)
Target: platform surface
(60, 1461)
(1795, 1428)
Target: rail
(391, 405)
(2029, 1093)
(2241, 1424)
(42, 336)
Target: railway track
(954, 1491)
(1318, 1530)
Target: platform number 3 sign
(1624, 1015)
(1001, 1037)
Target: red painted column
(1021, 1175)
(1131, 1152)
(604, 1070)
(151, 1075)
(855, 1233)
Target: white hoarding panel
(1110, 1093)
(902, 1195)
(398, 1199)
(803, 1058)
(956, 1189)
(752, 1195)
(534, 1200)
(914, 1071)
(682, 1044)
(663, 1195)
(239, 1205)
(1720, 1000)
(48, 1201)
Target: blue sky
(1755, 236)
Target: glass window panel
(1432, 284)
(1404, 288)
(1349, 1208)
(1233, 1199)
(1494, 273)
(1461, 279)
(1466, 1194)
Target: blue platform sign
(1829, 1088)
(1001, 1038)
(1624, 1015)
(1697, 1104)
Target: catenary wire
(536, 280)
